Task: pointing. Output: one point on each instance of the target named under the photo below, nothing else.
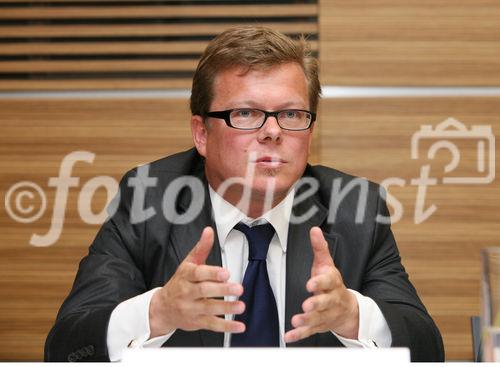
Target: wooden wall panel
(124, 44)
(372, 138)
(35, 135)
(410, 43)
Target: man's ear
(199, 132)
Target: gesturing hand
(331, 307)
(187, 301)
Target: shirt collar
(227, 216)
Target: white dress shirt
(129, 322)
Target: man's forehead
(259, 70)
(285, 93)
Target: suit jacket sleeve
(387, 283)
(108, 275)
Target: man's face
(272, 153)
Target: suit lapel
(299, 258)
(184, 237)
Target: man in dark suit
(330, 272)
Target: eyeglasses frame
(225, 115)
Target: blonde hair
(253, 48)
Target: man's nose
(270, 130)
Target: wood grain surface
(410, 43)
(120, 45)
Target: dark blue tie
(261, 314)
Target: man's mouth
(270, 161)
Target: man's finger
(324, 282)
(205, 273)
(299, 333)
(215, 289)
(313, 319)
(218, 307)
(220, 325)
(320, 249)
(200, 251)
(320, 302)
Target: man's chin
(271, 186)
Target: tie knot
(259, 237)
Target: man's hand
(331, 307)
(187, 301)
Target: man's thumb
(200, 251)
(320, 249)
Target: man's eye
(244, 113)
(291, 114)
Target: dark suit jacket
(127, 259)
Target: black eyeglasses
(253, 118)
